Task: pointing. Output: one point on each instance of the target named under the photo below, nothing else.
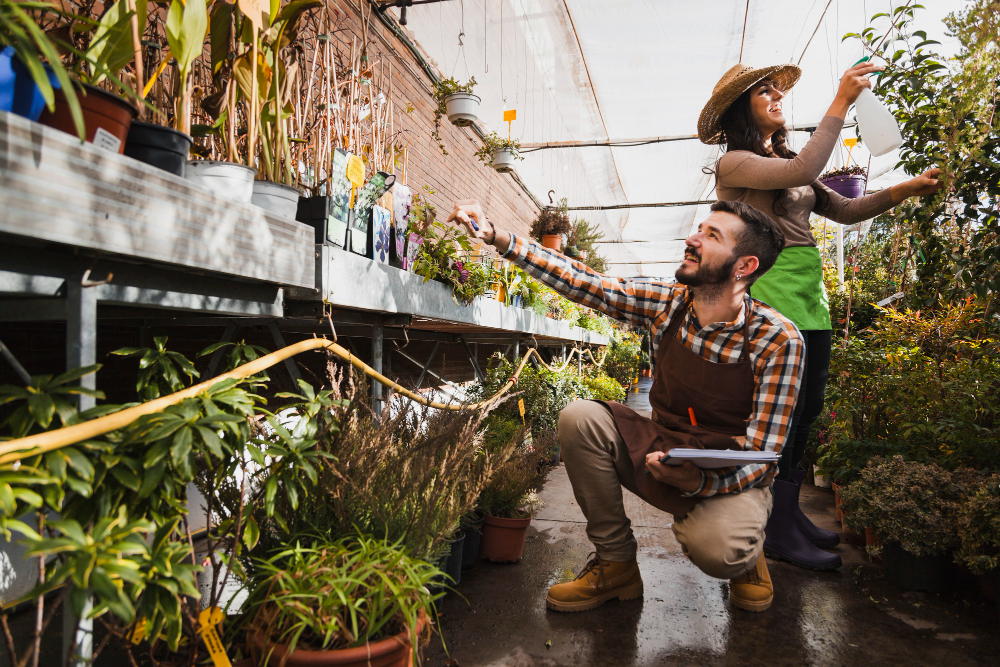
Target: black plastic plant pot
(159, 146)
(933, 574)
(453, 562)
(470, 549)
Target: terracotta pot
(552, 241)
(836, 501)
(503, 539)
(502, 294)
(872, 540)
(393, 651)
(106, 116)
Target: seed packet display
(413, 244)
(381, 233)
(377, 186)
(402, 201)
(339, 207)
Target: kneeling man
(727, 373)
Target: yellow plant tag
(520, 408)
(851, 143)
(509, 115)
(207, 620)
(355, 174)
(256, 11)
(138, 632)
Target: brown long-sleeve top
(753, 179)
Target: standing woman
(758, 168)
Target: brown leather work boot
(600, 581)
(754, 590)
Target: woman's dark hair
(740, 133)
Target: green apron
(794, 287)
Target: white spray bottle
(879, 131)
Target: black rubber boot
(783, 539)
(821, 537)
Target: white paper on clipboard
(716, 458)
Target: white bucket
(227, 180)
(503, 161)
(282, 200)
(463, 108)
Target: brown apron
(721, 395)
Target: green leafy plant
(441, 90)
(624, 357)
(585, 237)
(979, 527)
(603, 387)
(492, 143)
(331, 594)
(187, 25)
(551, 220)
(510, 492)
(916, 505)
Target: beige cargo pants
(723, 535)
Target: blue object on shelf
(18, 92)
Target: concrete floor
(846, 617)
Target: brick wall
(458, 175)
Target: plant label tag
(257, 11)
(207, 620)
(851, 143)
(106, 140)
(138, 632)
(520, 408)
(509, 115)
(355, 174)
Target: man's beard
(707, 281)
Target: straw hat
(739, 79)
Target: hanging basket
(503, 160)
(463, 108)
(852, 186)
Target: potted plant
(914, 510)
(499, 153)
(552, 222)
(846, 181)
(106, 116)
(155, 144)
(979, 534)
(30, 68)
(508, 499)
(353, 601)
(455, 100)
(585, 236)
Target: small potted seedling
(499, 153)
(457, 102)
(846, 181)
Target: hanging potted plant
(455, 100)
(499, 153)
(355, 601)
(914, 510)
(846, 181)
(155, 144)
(552, 222)
(106, 116)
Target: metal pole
(377, 333)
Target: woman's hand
(851, 84)
(686, 477)
(926, 183)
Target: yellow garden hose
(32, 445)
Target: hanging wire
(486, 62)
(818, 24)
(502, 94)
(745, 15)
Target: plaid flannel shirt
(776, 347)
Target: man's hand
(469, 213)
(687, 477)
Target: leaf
(187, 25)
(220, 34)
(251, 533)
(79, 462)
(180, 448)
(242, 72)
(111, 47)
(42, 409)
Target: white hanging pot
(463, 108)
(503, 160)
(282, 200)
(227, 180)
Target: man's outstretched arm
(620, 298)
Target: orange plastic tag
(851, 143)
(520, 408)
(138, 631)
(509, 115)
(355, 174)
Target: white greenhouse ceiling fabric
(579, 70)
